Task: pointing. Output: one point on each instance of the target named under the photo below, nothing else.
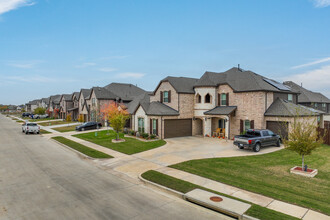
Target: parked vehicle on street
(26, 114)
(29, 127)
(255, 139)
(40, 116)
(89, 126)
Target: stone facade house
(54, 106)
(231, 102)
(66, 103)
(83, 107)
(74, 108)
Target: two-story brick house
(54, 105)
(74, 109)
(66, 103)
(83, 106)
(234, 100)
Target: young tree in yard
(116, 116)
(68, 118)
(303, 137)
(40, 111)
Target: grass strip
(81, 148)
(184, 187)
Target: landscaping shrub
(152, 136)
(145, 135)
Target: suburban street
(40, 179)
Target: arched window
(198, 98)
(207, 98)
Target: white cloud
(130, 75)
(8, 5)
(107, 69)
(315, 80)
(84, 65)
(36, 79)
(24, 64)
(321, 3)
(327, 59)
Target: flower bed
(299, 171)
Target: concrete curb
(179, 194)
(161, 188)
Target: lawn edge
(80, 154)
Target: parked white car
(29, 127)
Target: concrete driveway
(178, 150)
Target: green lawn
(269, 175)
(81, 148)
(41, 119)
(66, 128)
(55, 123)
(130, 146)
(184, 187)
(42, 131)
(19, 121)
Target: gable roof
(85, 93)
(284, 108)
(240, 81)
(102, 93)
(67, 97)
(55, 99)
(180, 84)
(135, 103)
(124, 91)
(307, 96)
(76, 94)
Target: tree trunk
(117, 135)
(302, 165)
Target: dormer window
(290, 97)
(198, 98)
(207, 98)
(165, 96)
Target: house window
(198, 98)
(141, 125)
(247, 125)
(315, 105)
(154, 126)
(324, 105)
(223, 99)
(82, 104)
(93, 101)
(165, 96)
(290, 97)
(208, 98)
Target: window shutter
(227, 99)
(219, 99)
(241, 127)
(150, 128)
(169, 96)
(156, 126)
(161, 97)
(252, 124)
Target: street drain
(216, 199)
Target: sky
(52, 47)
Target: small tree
(116, 116)
(68, 118)
(303, 137)
(40, 111)
(81, 118)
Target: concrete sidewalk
(270, 203)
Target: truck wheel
(83, 129)
(26, 133)
(278, 143)
(256, 148)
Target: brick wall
(166, 86)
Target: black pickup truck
(256, 139)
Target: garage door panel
(278, 127)
(177, 128)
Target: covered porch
(217, 121)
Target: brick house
(83, 103)
(74, 108)
(234, 100)
(66, 103)
(54, 106)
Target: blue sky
(59, 46)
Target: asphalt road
(40, 179)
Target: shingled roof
(221, 110)
(102, 93)
(85, 93)
(284, 108)
(124, 91)
(180, 84)
(307, 96)
(240, 81)
(67, 97)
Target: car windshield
(32, 124)
(86, 123)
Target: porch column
(227, 127)
(208, 126)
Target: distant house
(66, 103)
(74, 109)
(83, 105)
(32, 105)
(310, 99)
(54, 106)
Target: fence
(325, 132)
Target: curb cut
(180, 195)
